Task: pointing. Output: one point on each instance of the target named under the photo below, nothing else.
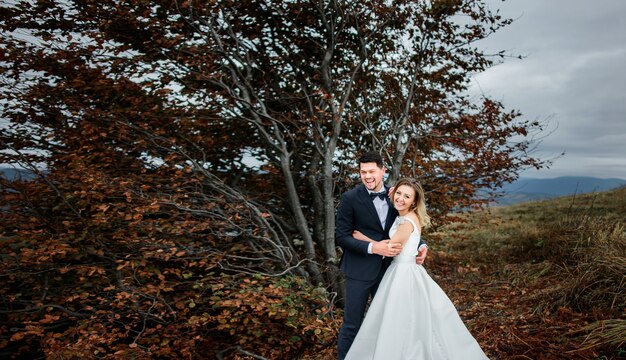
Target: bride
(411, 318)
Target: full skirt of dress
(411, 318)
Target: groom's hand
(385, 248)
(421, 256)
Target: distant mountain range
(529, 189)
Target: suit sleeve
(345, 226)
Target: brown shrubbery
(106, 272)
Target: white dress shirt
(382, 209)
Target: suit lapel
(366, 200)
(391, 215)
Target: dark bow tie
(381, 195)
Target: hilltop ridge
(531, 189)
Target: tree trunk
(301, 221)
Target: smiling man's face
(372, 176)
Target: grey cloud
(573, 74)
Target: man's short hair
(371, 156)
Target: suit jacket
(356, 211)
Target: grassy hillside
(540, 280)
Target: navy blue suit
(357, 212)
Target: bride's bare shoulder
(413, 217)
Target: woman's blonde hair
(419, 207)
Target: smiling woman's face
(372, 176)
(403, 199)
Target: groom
(368, 209)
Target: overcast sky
(573, 73)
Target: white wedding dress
(411, 318)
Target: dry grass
(565, 255)
(605, 332)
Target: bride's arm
(402, 233)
